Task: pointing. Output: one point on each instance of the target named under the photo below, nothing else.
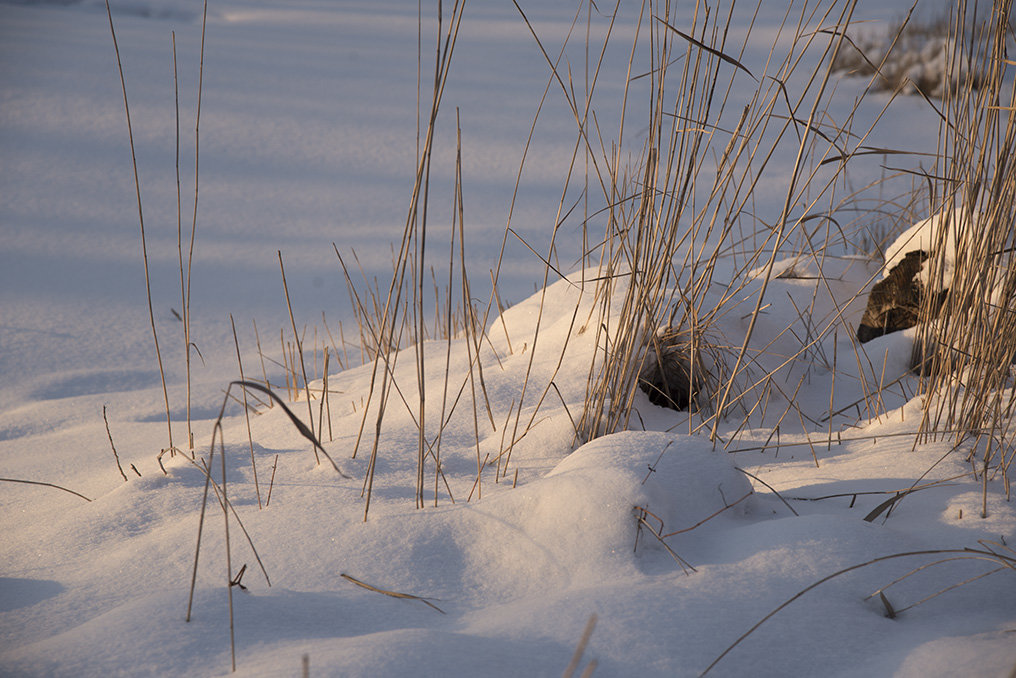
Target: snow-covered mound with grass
(676, 545)
(813, 534)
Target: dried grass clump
(683, 226)
(913, 56)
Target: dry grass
(683, 247)
(678, 226)
(915, 55)
(144, 240)
(972, 341)
(680, 218)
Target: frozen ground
(308, 138)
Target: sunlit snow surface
(308, 138)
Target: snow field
(310, 114)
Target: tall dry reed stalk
(185, 271)
(185, 280)
(402, 305)
(144, 240)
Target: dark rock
(667, 377)
(895, 303)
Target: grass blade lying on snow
(39, 482)
(977, 554)
(392, 594)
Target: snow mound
(585, 508)
(952, 229)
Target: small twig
(889, 611)
(229, 550)
(261, 355)
(477, 481)
(144, 240)
(326, 407)
(641, 517)
(110, 435)
(710, 517)
(652, 467)
(271, 483)
(227, 508)
(769, 487)
(238, 579)
(840, 440)
(303, 366)
(246, 412)
(575, 427)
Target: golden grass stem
(43, 484)
(144, 240)
(391, 594)
(246, 412)
(299, 352)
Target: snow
(927, 235)
(308, 137)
